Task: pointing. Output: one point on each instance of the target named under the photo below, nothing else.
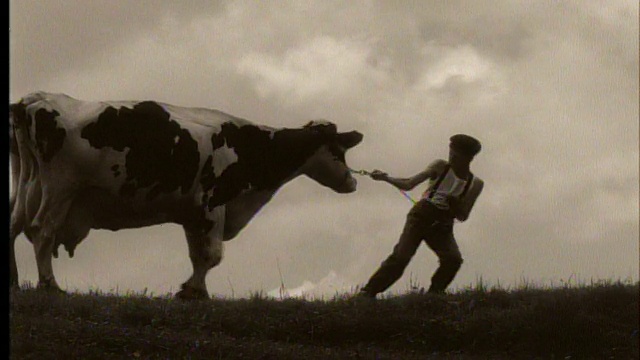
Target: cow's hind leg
(16, 208)
(49, 219)
(205, 251)
(14, 231)
(13, 267)
(15, 228)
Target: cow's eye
(337, 153)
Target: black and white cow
(81, 165)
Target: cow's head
(327, 165)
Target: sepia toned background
(550, 88)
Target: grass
(599, 320)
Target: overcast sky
(549, 87)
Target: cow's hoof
(191, 293)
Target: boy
(451, 194)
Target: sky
(550, 88)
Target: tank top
(446, 185)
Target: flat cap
(465, 144)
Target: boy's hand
(454, 203)
(378, 175)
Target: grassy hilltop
(597, 321)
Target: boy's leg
(393, 267)
(445, 246)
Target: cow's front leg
(205, 251)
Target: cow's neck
(266, 159)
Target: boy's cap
(465, 144)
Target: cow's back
(104, 143)
(146, 156)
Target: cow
(80, 165)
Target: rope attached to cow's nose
(360, 172)
(368, 173)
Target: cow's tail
(17, 118)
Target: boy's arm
(462, 208)
(406, 184)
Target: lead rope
(368, 173)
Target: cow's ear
(349, 139)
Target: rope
(368, 173)
(360, 172)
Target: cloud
(330, 285)
(322, 69)
(71, 35)
(463, 65)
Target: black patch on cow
(162, 155)
(265, 159)
(116, 170)
(49, 137)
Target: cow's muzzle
(348, 185)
